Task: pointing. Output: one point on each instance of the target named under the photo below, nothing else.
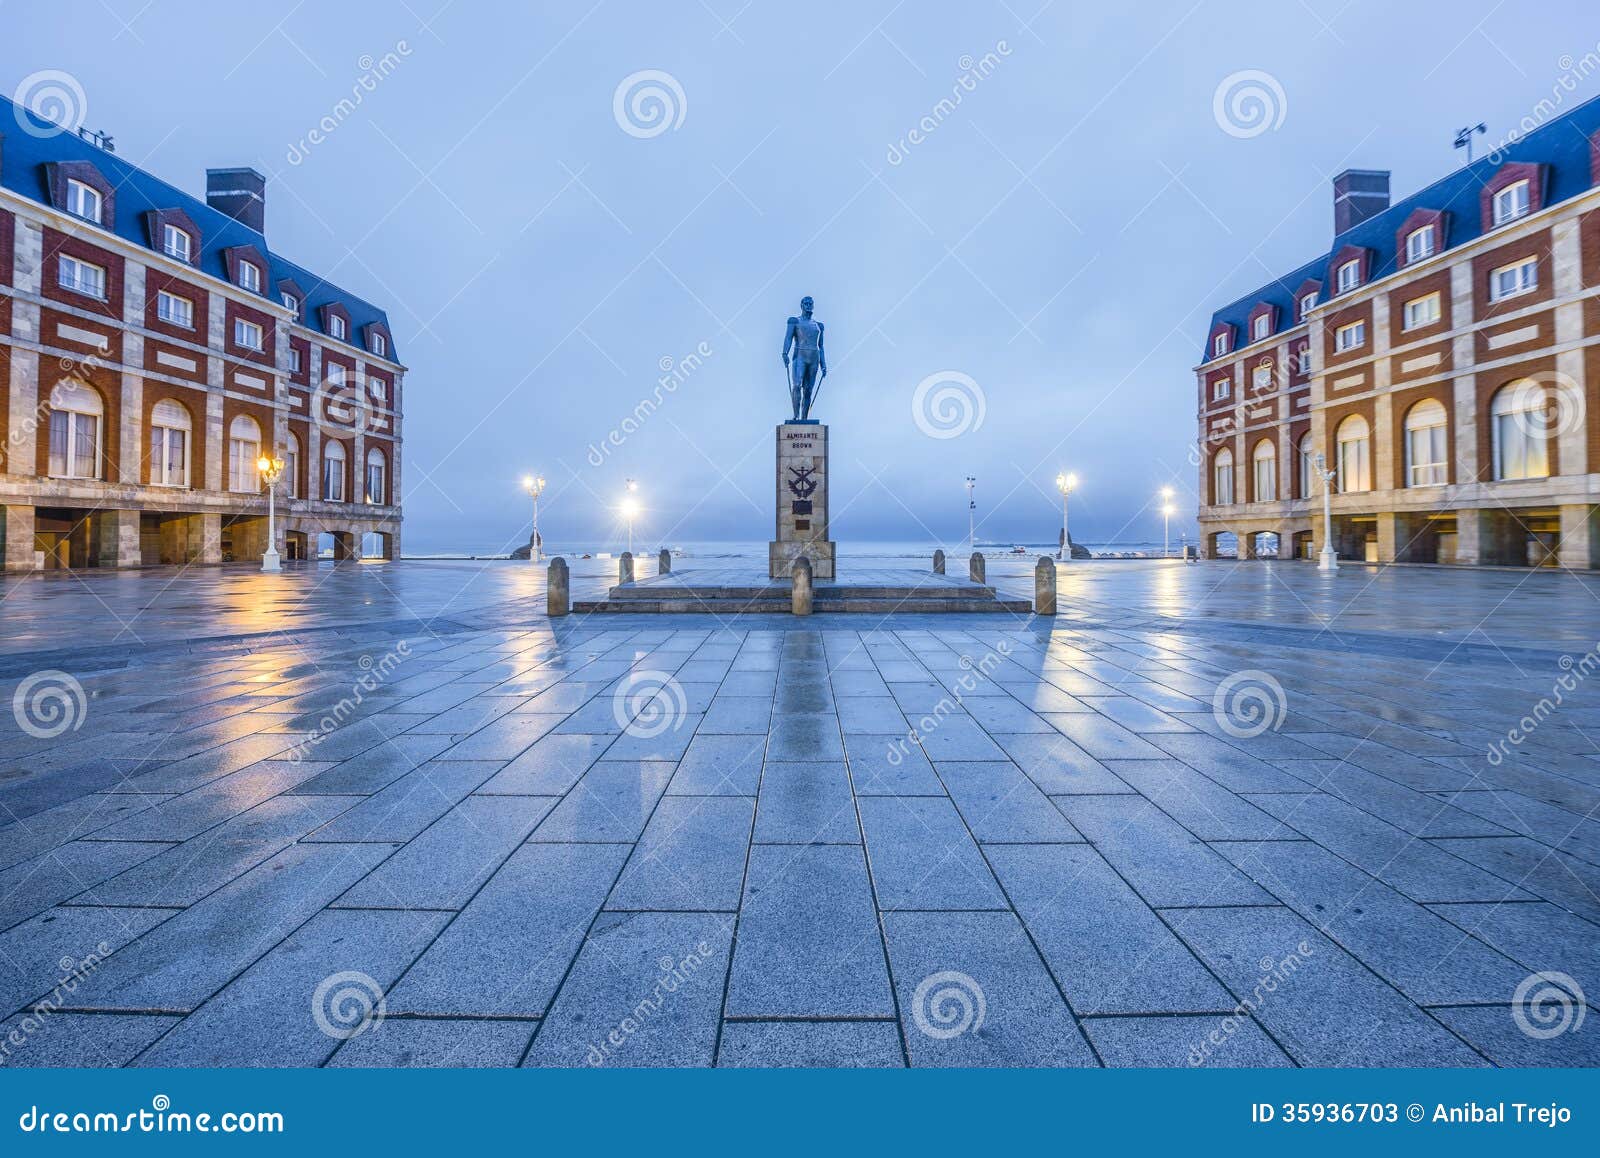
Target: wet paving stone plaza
(393, 815)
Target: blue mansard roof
(1561, 145)
(24, 153)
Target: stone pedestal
(802, 498)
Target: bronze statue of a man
(810, 362)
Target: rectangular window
(1261, 327)
(291, 473)
(1349, 275)
(380, 389)
(336, 327)
(291, 302)
(175, 242)
(333, 480)
(380, 347)
(294, 360)
(175, 311)
(1221, 388)
(81, 277)
(1419, 312)
(374, 484)
(1419, 244)
(168, 458)
(1305, 360)
(83, 201)
(1307, 304)
(1350, 337)
(250, 276)
(243, 475)
(1355, 466)
(1266, 479)
(1511, 203)
(1224, 484)
(247, 334)
(1261, 378)
(74, 444)
(1425, 456)
(1509, 281)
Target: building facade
(1441, 358)
(152, 348)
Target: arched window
(170, 427)
(76, 412)
(1427, 453)
(376, 462)
(333, 471)
(291, 466)
(244, 447)
(1222, 478)
(1519, 422)
(1264, 467)
(1307, 454)
(1355, 455)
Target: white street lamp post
(1166, 522)
(534, 485)
(972, 508)
(271, 468)
(1065, 483)
(1328, 560)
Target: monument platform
(736, 590)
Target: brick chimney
(240, 193)
(1359, 195)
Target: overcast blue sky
(1059, 237)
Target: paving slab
(811, 1044)
(923, 857)
(691, 856)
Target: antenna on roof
(1464, 137)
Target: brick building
(152, 347)
(1442, 356)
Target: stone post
(800, 587)
(625, 567)
(938, 562)
(664, 567)
(978, 569)
(558, 588)
(1044, 586)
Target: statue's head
(806, 303)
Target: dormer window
(1419, 244)
(379, 346)
(1260, 328)
(84, 201)
(1308, 302)
(336, 327)
(1512, 202)
(292, 303)
(1348, 276)
(250, 276)
(1219, 345)
(176, 243)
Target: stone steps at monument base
(823, 589)
(723, 605)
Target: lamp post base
(1327, 560)
(269, 560)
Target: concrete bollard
(558, 588)
(625, 567)
(978, 569)
(800, 587)
(938, 562)
(1044, 586)
(664, 566)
